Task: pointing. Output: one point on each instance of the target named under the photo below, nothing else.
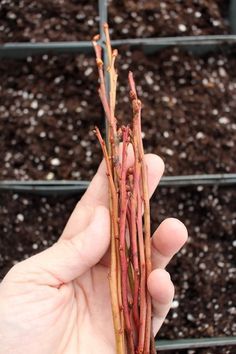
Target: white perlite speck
(223, 120)
(190, 317)
(215, 112)
(20, 217)
(88, 71)
(199, 135)
(11, 15)
(143, 135)
(148, 79)
(222, 72)
(175, 304)
(42, 134)
(182, 27)
(216, 23)
(166, 134)
(183, 155)
(169, 152)
(34, 104)
(55, 162)
(50, 176)
(40, 113)
(118, 19)
(197, 14)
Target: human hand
(58, 301)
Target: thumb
(69, 258)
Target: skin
(58, 301)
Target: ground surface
(188, 107)
(134, 19)
(71, 20)
(49, 106)
(44, 21)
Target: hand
(58, 301)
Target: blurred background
(182, 54)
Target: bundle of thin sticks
(129, 214)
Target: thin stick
(143, 305)
(133, 240)
(112, 98)
(123, 259)
(112, 148)
(143, 286)
(113, 272)
(147, 226)
(108, 43)
(102, 88)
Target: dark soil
(213, 350)
(203, 272)
(29, 225)
(48, 108)
(44, 21)
(189, 107)
(140, 19)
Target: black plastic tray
(74, 187)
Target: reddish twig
(133, 238)
(145, 195)
(123, 257)
(114, 235)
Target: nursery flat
(188, 112)
(132, 19)
(29, 225)
(44, 21)
(189, 104)
(48, 109)
(212, 350)
(204, 270)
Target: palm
(86, 315)
(95, 327)
(56, 320)
(58, 302)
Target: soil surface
(44, 21)
(213, 350)
(70, 20)
(203, 272)
(189, 104)
(48, 108)
(140, 19)
(29, 225)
